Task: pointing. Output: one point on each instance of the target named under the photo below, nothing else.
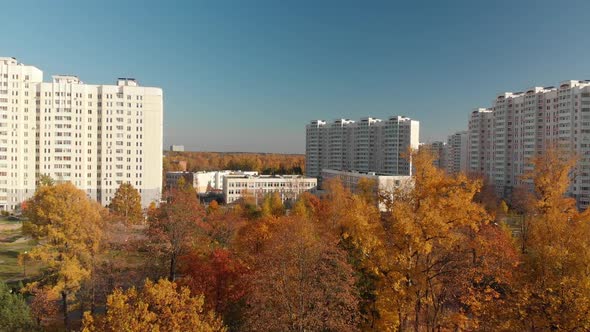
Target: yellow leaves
(427, 245)
(70, 275)
(555, 290)
(301, 278)
(272, 206)
(68, 226)
(161, 306)
(126, 204)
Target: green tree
(273, 205)
(68, 226)
(126, 204)
(45, 180)
(15, 315)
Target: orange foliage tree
(175, 226)
(220, 276)
(300, 282)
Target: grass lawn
(12, 243)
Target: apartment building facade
(456, 152)
(367, 145)
(95, 136)
(479, 146)
(520, 125)
(438, 149)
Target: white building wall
(456, 156)
(385, 184)
(367, 145)
(288, 186)
(95, 136)
(527, 123)
(479, 150)
(315, 147)
(17, 131)
(204, 180)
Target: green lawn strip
(12, 244)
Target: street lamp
(25, 264)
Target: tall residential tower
(95, 136)
(519, 125)
(367, 145)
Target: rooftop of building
(274, 176)
(360, 173)
(538, 89)
(230, 172)
(71, 79)
(367, 119)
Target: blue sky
(248, 75)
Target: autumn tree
(267, 163)
(367, 189)
(427, 235)
(223, 227)
(68, 226)
(43, 305)
(306, 206)
(273, 205)
(353, 222)
(175, 225)
(484, 294)
(556, 286)
(213, 207)
(161, 306)
(126, 204)
(221, 277)
(247, 206)
(301, 283)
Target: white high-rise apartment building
(95, 136)
(479, 146)
(522, 124)
(456, 152)
(367, 145)
(438, 149)
(316, 147)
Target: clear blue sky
(248, 75)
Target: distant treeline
(265, 163)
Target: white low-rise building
(203, 181)
(177, 148)
(288, 186)
(384, 183)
